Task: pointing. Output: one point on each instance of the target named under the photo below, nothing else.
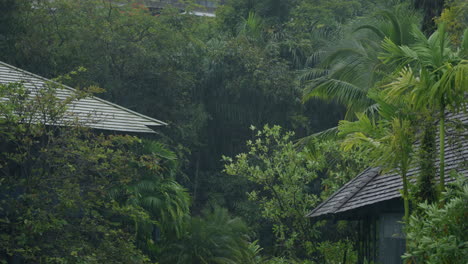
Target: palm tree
(347, 71)
(350, 69)
(164, 201)
(435, 76)
(388, 138)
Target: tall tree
(388, 138)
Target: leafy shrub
(213, 238)
(338, 252)
(54, 185)
(438, 234)
(283, 176)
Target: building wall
(391, 238)
(381, 239)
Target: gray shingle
(345, 193)
(92, 111)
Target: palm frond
(403, 83)
(453, 85)
(308, 141)
(374, 29)
(341, 91)
(363, 124)
(158, 149)
(396, 34)
(312, 73)
(315, 57)
(464, 45)
(340, 54)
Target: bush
(438, 234)
(338, 252)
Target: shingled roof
(91, 111)
(371, 186)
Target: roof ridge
(362, 184)
(73, 89)
(338, 191)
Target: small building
(374, 200)
(92, 111)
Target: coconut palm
(347, 71)
(350, 69)
(433, 74)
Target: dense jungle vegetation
(272, 106)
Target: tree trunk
(405, 196)
(426, 187)
(406, 203)
(442, 151)
(195, 187)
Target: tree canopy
(271, 107)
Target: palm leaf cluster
(388, 138)
(214, 238)
(164, 200)
(433, 75)
(429, 77)
(346, 72)
(419, 75)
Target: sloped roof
(91, 111)
(371, 186)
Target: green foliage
(252, 28)
(54, 203)
(206, 78)
(284, 178)
(74, 196)
(388, 138)
(310, 15)
(211, 78)
(167, 204)
(340, 166)
(340, 252)
(126, 50)
(283, 175)
(245, 83)
(439, 71)
(438, 233)
(346, 71)
(431, 9)
(435, 79)
(274, 12)
(213, 238)
(388, 142)
(425, 187)
(282, 260)
(455, 16)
